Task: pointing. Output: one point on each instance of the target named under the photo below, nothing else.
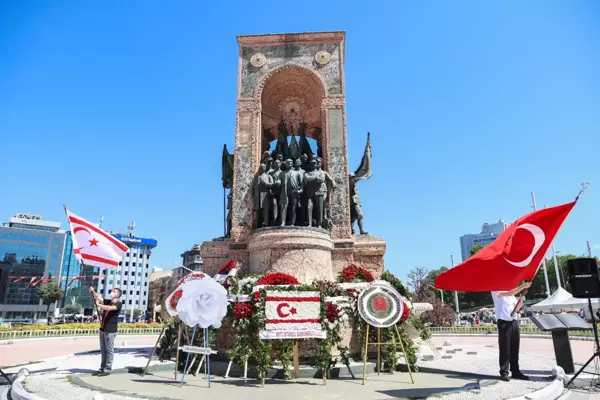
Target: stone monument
(292, 204)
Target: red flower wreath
(228, 266)
(277, 278)
(355, 274)
(175, 299)
(332, 313)
(405, 314)
(242, 310)
(190, 276)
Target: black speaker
(583, 277)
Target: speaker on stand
(585, 284)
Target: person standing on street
(507, 309)
(109, 324)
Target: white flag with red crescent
(294, 311)
(93, 246)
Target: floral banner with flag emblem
(291, 315)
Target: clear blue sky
(121, 109)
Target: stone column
(247, 127)
(334, 111)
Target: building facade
(162, 283)
(489, 233)
(30, 249)
(76, 281)
(132, 275)
(192, 259)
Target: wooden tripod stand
(378, 344)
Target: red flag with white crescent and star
(93, 246)
(515, 256)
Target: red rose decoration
(175, 299)
(256, 296)
(192, 275)
(355, 274)
(242, 310)
(405, 314)
(332, 313)
(227, 267)
(277, 278)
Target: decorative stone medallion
(258, 60)
(380, 306)
(322, 57)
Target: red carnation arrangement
(405, 314)
(228, 266)
(198, 275)
(277, 278)
(175, 299)
(333, 312)
(242, 310)
(355, 274)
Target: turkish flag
(93, 246)
(515, 256)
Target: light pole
(455, 293)
(544, 259)
(589, 246)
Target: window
(147, 273)
(131, 292)
(137, 302)
(131, 283)
(138, 283)
(128, 254)
(119, 281)
(140, 265)
(129, 301)
(148, 256)
(147, 265)
(138, 292)
(111, 282)
(145, 283)
(144, 302)
(145, 292)
(112, 272)
(121, 263)
(127, 263)
(140, 274)
(127, 272)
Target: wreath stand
(229, 368)
(206, 351)
(145, 370)
(379, 343)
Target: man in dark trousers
(507, 309)
(109, 324)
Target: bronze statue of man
(356, 214)
(294, 190)
(261, 196)
(312, 185)
(229, 207)
(284, 177)
(321, 195)
(276, 173)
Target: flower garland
(244, 333)
(194, 275)
(227, 267)
(247, 283)
(355, 274)
(175, 299)
(277, 278)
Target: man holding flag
(507, 307)
(95, 247)
(515, 256)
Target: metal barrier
(490, 329)
(7, 335)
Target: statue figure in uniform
(363, 172)
(295, 185)
(275, 173)
(261, 196)
(321, 195)
(312, 185)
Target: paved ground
(51, 382)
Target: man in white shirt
(507, 309)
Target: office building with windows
(132, 275)
(76, 281)
(489, 233)
(30, 248)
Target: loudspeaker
(583, 277)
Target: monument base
(307, 253)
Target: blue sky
(121, 109)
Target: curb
(551, 392)
(532, 335)
(18, 392)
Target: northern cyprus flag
(92, 246)
(295, 311)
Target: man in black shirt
(108, 328)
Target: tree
(49, 293)
(441, 315)
(420, 284)
(447, 296)
(475, 249)
(137, 313)
(73, 308)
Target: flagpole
(455, 293)
(589, 249)
(544, 259)
(556, 269)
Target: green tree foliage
(475, 249)
(476, 299)
(73, 308)
(49, 293)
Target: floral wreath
(192, 276)
(355, 274)
(277, 278)
(228, 267)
